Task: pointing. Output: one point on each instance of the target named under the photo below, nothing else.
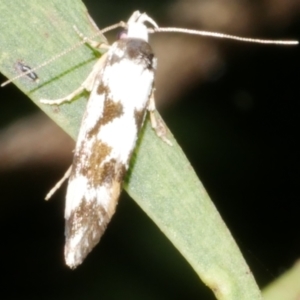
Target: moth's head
(136, 27)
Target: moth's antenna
(106, 29)
(222, 36)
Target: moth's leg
(157, 123)
(92, 43)
(59, 184)
(86, 85)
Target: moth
(121, 86)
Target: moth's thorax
(133, 49)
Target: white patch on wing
(134, 94)
(93, 113)
(79, 191)
(75, 194)
(122, 141)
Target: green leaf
(160, 179)
(286, 286)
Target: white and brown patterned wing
(114, 115)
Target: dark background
(237, 121)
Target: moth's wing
(114, 115)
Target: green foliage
(160, 180)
